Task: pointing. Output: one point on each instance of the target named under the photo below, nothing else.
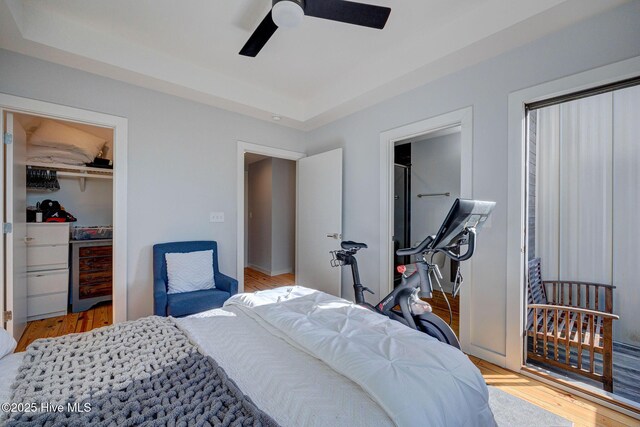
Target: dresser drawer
(47, 257)
(99, 276)
(43, 304)
(99, 263)
(90, 251)
(94, 290)
(47, 234)
(47, 282)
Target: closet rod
(83, 175)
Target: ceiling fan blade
(260, 37)
(366, 15)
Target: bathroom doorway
(427, 180)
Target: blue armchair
(186, 303)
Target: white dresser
(47, 270)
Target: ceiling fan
(289, 13)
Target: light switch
(216, 216)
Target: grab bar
(447, 194)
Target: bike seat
(349, 244)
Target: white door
(15, 240)
(319, 220)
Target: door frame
(248, 147)
(463, 118)
(119, 125)
(516, 219)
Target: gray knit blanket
(140, 373)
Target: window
(582, 202)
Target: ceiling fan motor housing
(287, 13)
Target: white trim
(120, 137)
(515, 349)
(269, 272)
(281, 272)
(464, 119)
(248, 147)
(259, 269)
(484, 354)
(2, 238)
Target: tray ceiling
(309, 75)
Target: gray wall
(435, 168)
(283, 212)
(271, 208)
(182, 158)
(260, 219)
(604, 39)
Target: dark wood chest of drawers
(91, 273)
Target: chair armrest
(226, 283)
(550, 307)
(576, 282)
(159, 297)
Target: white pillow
(7, 343)
(39, 153)
(56, 135)
(190, 271)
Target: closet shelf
(72, 171)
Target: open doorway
(270, 222)
(427, 180)
(459, 122)
(317, 218)
(59, 201)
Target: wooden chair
(570, 325)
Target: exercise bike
(404, 303)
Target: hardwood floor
(95, 317)
(439, 306)
(576, 409)
(257, 281)
(581, 411)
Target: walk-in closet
(60, 184)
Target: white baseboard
(269, 272)
(284, 271)
(260, 269)
(484, 354)
(46, 315)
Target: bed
(305, 358)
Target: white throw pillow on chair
(190, 271)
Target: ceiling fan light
(287, 13)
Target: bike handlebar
(448, 251)
(471, 247)
(418, 249)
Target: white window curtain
(588, 197)
(626, 212)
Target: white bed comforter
(317, 360)
(417, 380)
